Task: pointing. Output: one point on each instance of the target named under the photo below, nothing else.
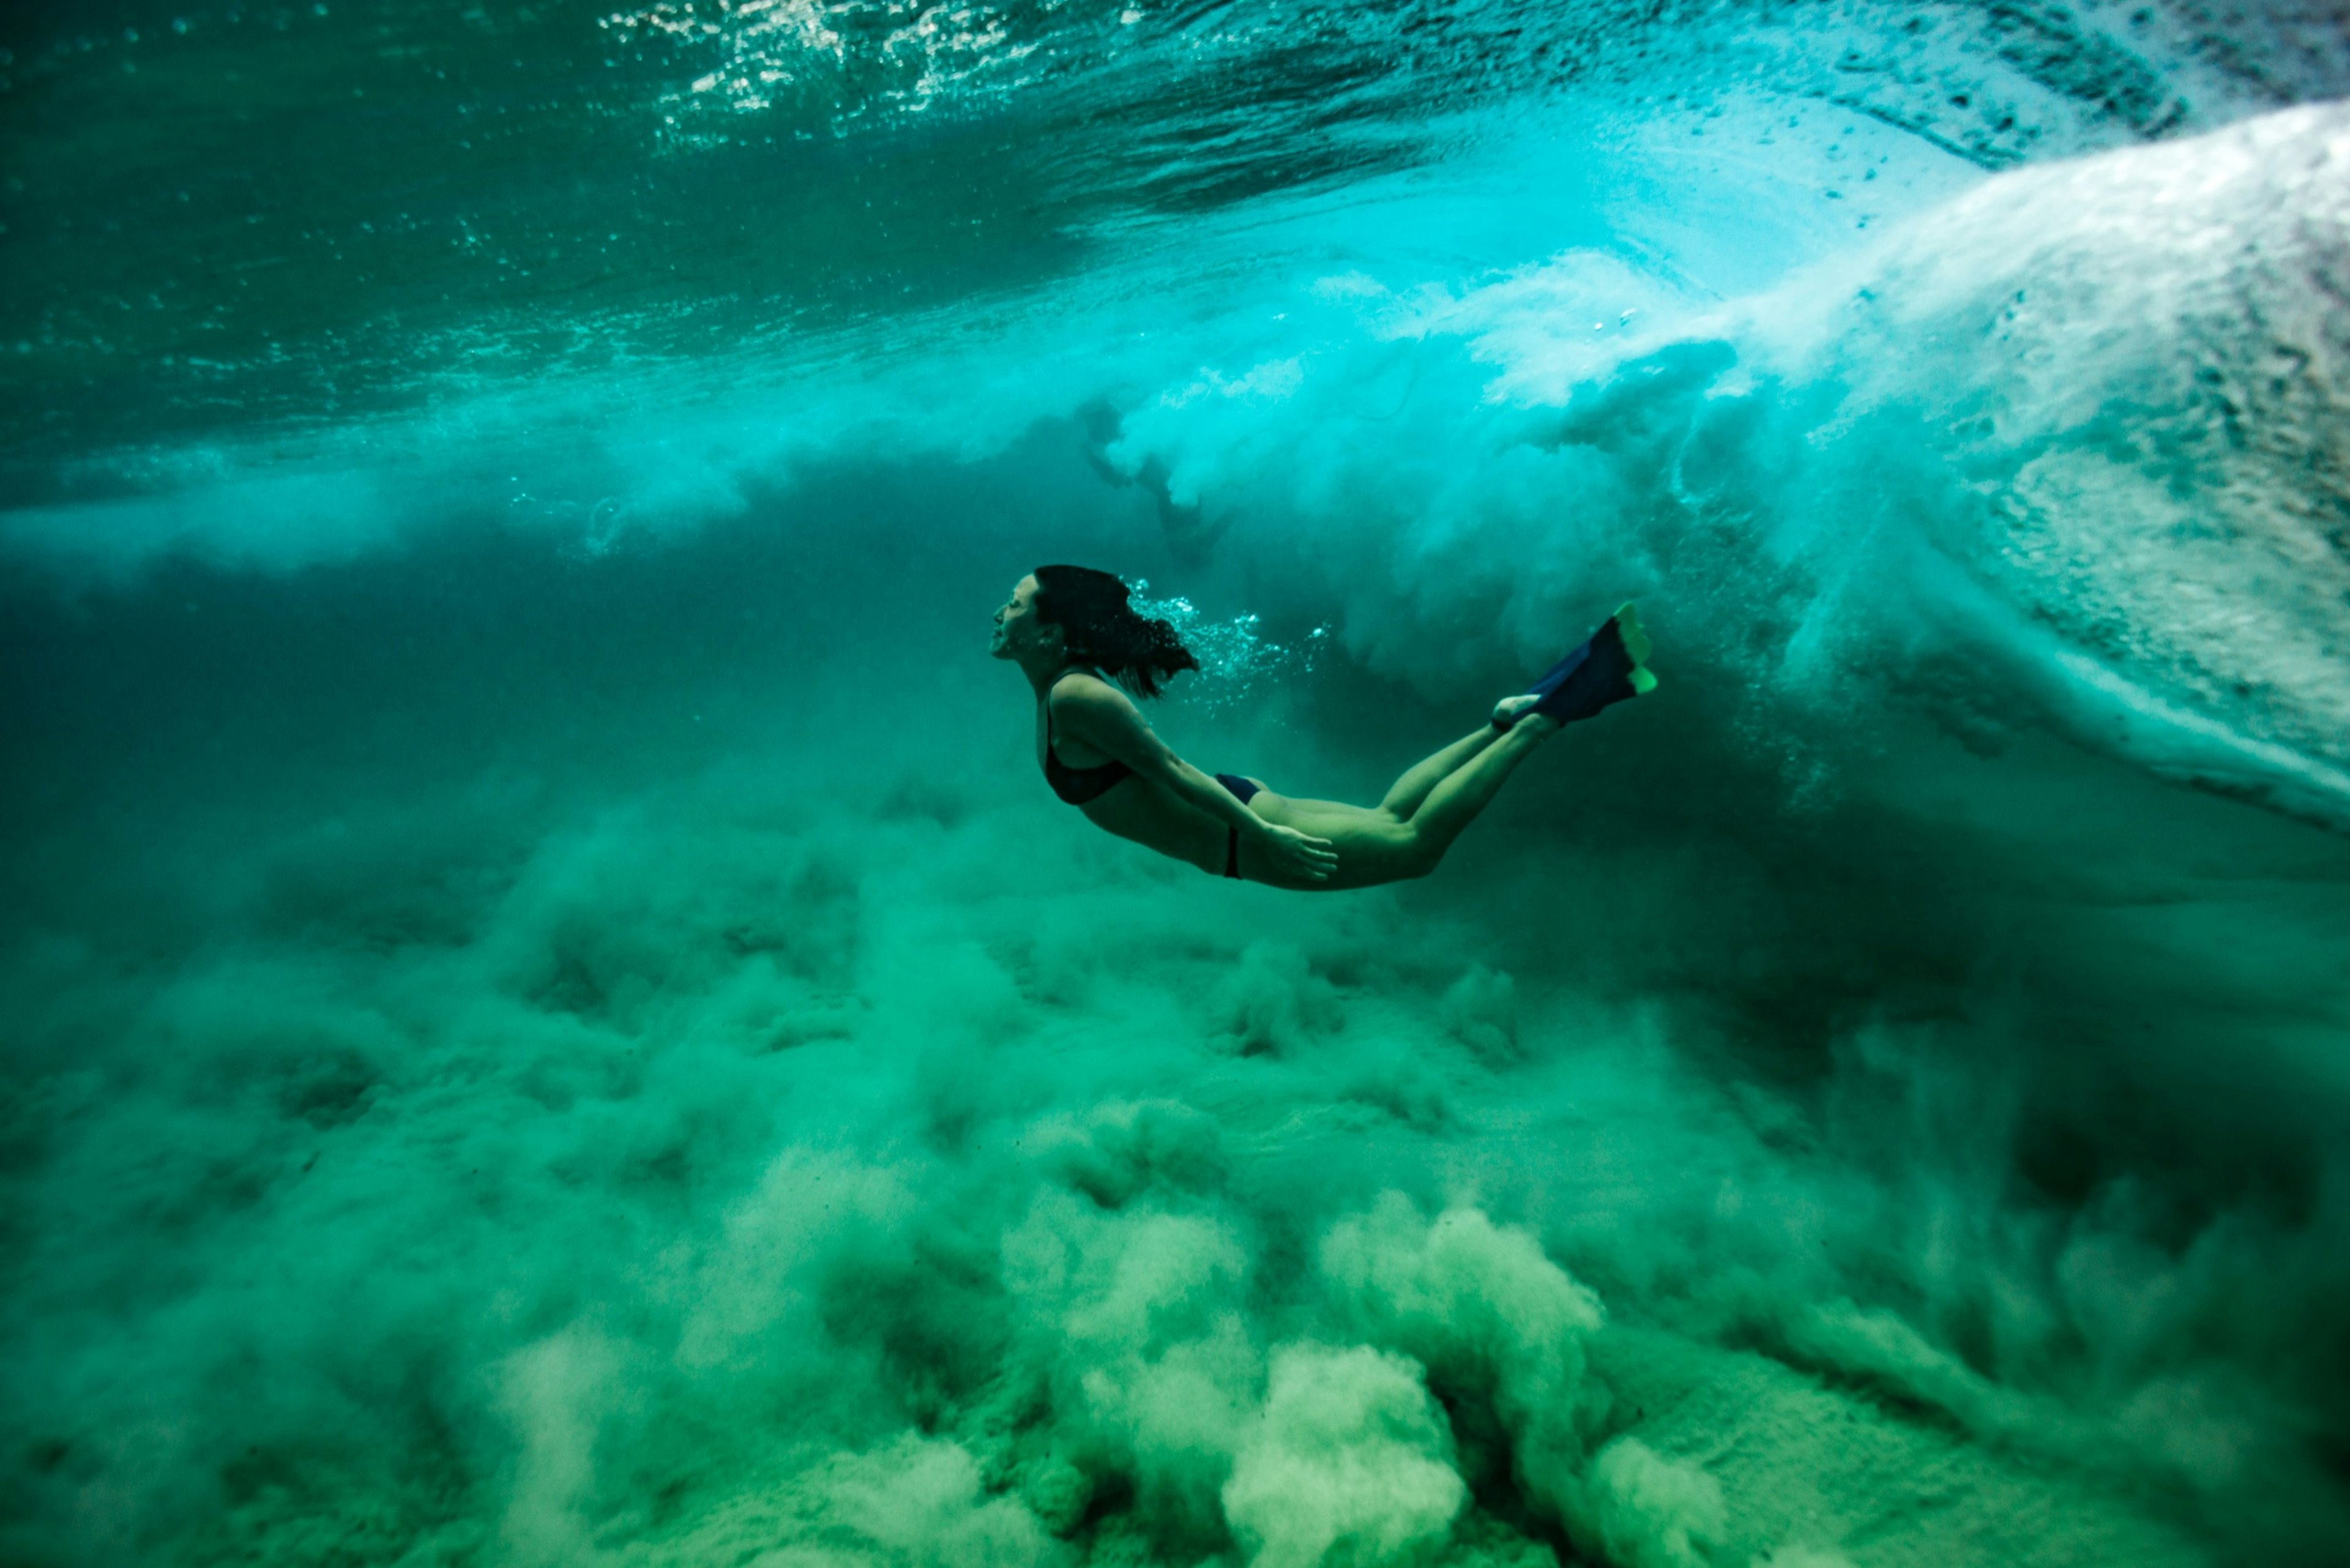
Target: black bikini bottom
(1242, 790)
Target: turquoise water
(550, 1018)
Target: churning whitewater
(549, 1018)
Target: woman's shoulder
(1086, 691)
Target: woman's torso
(1125, 803)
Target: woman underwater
(1072, 632)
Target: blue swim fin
(1610, 666)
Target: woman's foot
(1610, 666)
(1507, 711)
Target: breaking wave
(552, 1021)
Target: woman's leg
(1404, 796)
(1374, 847)
(1462, 794)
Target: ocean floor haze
(550, 1018)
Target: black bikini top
(1076, 785)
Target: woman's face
(1018, 628)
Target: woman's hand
(1299, 854)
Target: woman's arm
(1108, 721)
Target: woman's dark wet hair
(1103, 629)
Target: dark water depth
(547, 1017)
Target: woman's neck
(1044, 672)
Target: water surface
(550, 1018)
